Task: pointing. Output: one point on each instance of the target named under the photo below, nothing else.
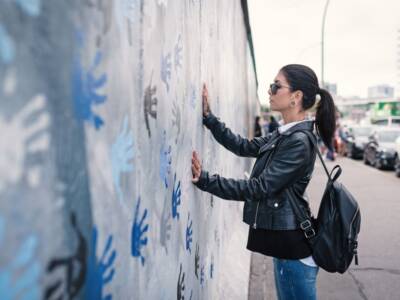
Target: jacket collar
(306, 125)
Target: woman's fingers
(196, 167)
(206, 106)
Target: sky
(361, 41)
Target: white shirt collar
(285, 127)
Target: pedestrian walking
(257, 127)
(283, 168)
(273, 124)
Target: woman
(284, 165)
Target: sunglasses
(276, 86)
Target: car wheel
(397, 167)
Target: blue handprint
(165, 160)
(202, 276)
(26, 285)
(30, 7)
(99, 272)
(85, 86)
(178, 53)
(189, 235)
(137, 236)
(121, 154)
(7, 46)
(166, 69)
(176, 199)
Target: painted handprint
(73, 266)
(202, 276)
(176, 121)
(189, 234)
(150, 104)
(85, 86)
(20, 278)
(176, 198)
(25, 134)
(165, 226)
(197, 261)
(165, 160)
(7, 46)
(100, 272)
(166, 69)
(30, 7)
(139, 229)
(181, 284)
(178, 53)
(121, 156)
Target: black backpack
(333, 234)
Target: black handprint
(73, 283)
(181, 285)
(197, 261)
(150, 105)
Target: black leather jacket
(266, 192)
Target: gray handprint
(165, 225)
(150, 104)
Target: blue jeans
(295, 280)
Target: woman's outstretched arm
(285, 167)
(233, 142)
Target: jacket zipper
(255, 220)
(258, 204)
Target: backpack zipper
(354, 243)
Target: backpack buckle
(306, 226)
(309, 233)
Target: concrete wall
(100, 109)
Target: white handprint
(20, 138)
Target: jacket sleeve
(287, 165)
(233, 142)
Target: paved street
(378, 275)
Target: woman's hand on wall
(196, 167)
(206, 105)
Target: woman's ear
(298, 95)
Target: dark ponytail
(325, 118)
(303, 78)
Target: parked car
(356, 139)
(387, 121)
(380, 151)
(397, 161)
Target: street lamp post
(322, 44)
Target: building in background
(381, 91)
